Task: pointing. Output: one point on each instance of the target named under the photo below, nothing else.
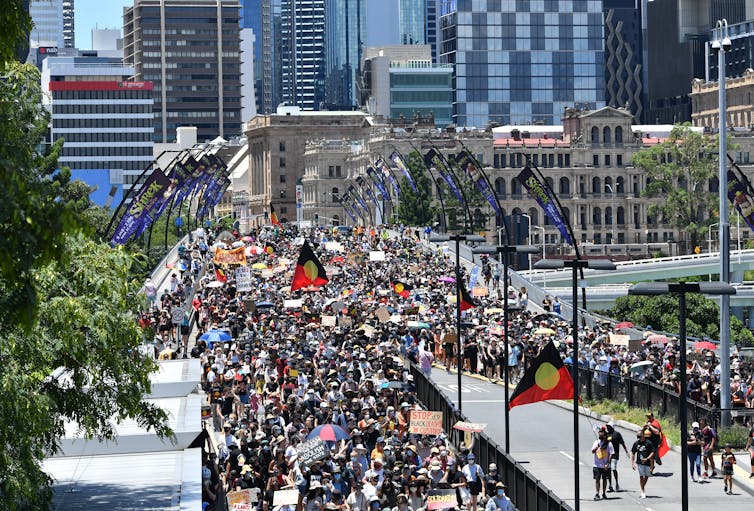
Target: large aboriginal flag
(466, 301)
(309, 271)
(402, 288)
(547, 378)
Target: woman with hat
(500, 501)
(314, 497)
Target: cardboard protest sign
(312, 451)
(382, 314)
(285, 498)
(328, 320)
(293, 304)
(242, 500)
(226, 257)
(243, 279)
(410, 311)
(441, 499)
(376, 255)
(425, 423)
(345, 321)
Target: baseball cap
(647, 432)
(694, 424)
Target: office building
(251, 20)
(418, 21)
(400, 82)
(302, 59)
(272, 48)
(53, 25)
(624, 55)
(523, 62)
(104, 119)
(345, 29)
(276, 153)
(705, 106)
(191, 52)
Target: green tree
(14, 37)
(680, 170)
(80, 363)
(476, 202)
(67, 302)
(416, 209)
(661, 312)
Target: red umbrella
(657, 339)
(624, 324)
(704, 345)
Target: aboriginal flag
(269, 248)
(273, 216)
(402, 288)
(220, 275)
(467, 302)
(546, 378)
(309, 271)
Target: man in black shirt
(642, 454)
(615, 438)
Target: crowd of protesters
(334, 358)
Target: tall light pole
(722, 44)
(681, 289)
(458, 238)
(575, 265)
(505, 251)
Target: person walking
(642, 454)
(727, 460)
(500, 502)
(474, 476)
(709, 443)
(603, 453)
(616, 439)
(695, 451)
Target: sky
(109, 14)
(97, 14)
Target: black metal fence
(642, 394)
(526, 491)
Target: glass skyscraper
(345, 29)
(523, 61)
(303, 53)
(417, 20)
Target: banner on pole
(235, 256)
(397, 158)
(145, 201)
(740, 198)
(468, 164)
(435, 159)
(388, 175)
(540, 194)
(425, 423)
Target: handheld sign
(441, 499)
(425, 423)
(312, 451)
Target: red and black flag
(309, 271)
(220, 275)
(273, 216)
(269, 248)
(546, 378)
(402, 288)
(465, 299)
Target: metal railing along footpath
(648, 395)
(525, 491)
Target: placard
(242, 500)
(266, 273)
(328, 321)
(312, 451)
(293, 304)
(473, 427)
(382, 314)
(345, 321)
(441, 499)
(410, 311)
(243, 279)
(176, 315)
(376, 255)
(285, 498)
(333, 246)
(425, 423)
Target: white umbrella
(215, 283)
(237, 244)
(639, 366)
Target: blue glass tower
(345, 29)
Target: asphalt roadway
(542, 439)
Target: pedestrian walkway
(542, 438)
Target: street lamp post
(722, 44)
(681, 289)
(505, 251)
(575, 265)
(709, 237)
(473, 238)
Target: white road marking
(484, 400)
(570, 457)
(465, 388)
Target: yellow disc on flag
(547, 376)
(310, 270)
(398, 288)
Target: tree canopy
(680, 171)
(416, 209)
(67, 300)
(661, 313)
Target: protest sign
(293, 304)
(425, 423)
(383, 314)
(242, 500)
(226, 257)
(345, 321)
(441, 499)
(285, 498)
(474, 427)
(328, 320)
(376, 255)
(311, 451)
(410, 311)
(243, 279)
